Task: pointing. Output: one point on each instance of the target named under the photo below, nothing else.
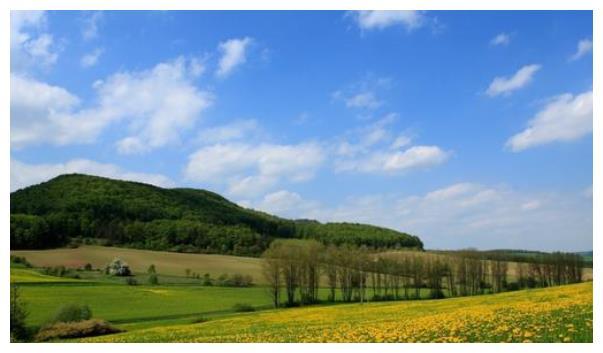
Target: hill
(144, 216)
(556, 314)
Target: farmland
(167, 263)
(559, 314)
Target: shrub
(88, 267)
(19, 260)
(153, 279)
(72, 313)
(85, 328)
(18, 314)
(131, 281)
(243, 308)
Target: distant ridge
(133, 214)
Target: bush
(153, 279)
(18, 314)
(72, 313)
(19, 260)
(131, 281)
(85, 328)
(243, 308)
(88, 267)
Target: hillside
(557, 314)
(148, 217)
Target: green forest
(82, 208)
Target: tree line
(297, 269)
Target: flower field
(557, 314)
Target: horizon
(417, 122)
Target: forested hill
(138, 215)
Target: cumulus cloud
(24, 174)
(30, 45)
(157, 104)
(42, 113)
(506, 85)
(90, 59)
(233, 54)
(585, 46)
(377, 151)
(369, 20)
(501, 39)
(363, 100)
(564, 118)
(233, 163)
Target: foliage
(19, 261)
(18, 314)
(86, 328)
(72, 313)
(148, 217)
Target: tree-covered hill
(138, 215)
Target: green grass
(167, 263)
(557, 314)
(139, 305)
(29, 276)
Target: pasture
(167, 263)
(556, 314)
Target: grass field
(557, 314)
(22, 275)
(167, 263)
(139, 306)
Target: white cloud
(506, 85)
(41, 113)
(416, 157)
(158, 104)
(501, 39)
(401, 141)
(368, 20)
(284, 203)
(90, 59)
(366, 100)
(585, 46)
(237, 130)
(376, 151)
(29, 44)
(90, 25)
(233, 54)
(565, 118)
(234, 163)
(23, 174)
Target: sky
(465, 128)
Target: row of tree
(296, 269)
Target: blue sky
(464, 128)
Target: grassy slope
(167, 263)
(561, 314)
